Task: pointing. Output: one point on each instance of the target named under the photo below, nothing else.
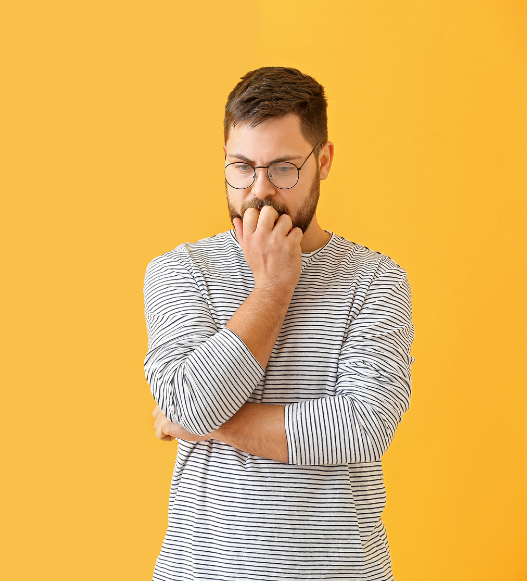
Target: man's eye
(244, 167)
(284, 168)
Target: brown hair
(274, 92)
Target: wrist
(277, 295)
(224, 432)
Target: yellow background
(112, 154)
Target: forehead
(268, 140)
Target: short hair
(271, 92)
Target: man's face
(278, 139)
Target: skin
(273, 139)
(273, 227)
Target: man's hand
(271, 247)
(168, 431)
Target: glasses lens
(239, 175)
(283, 174)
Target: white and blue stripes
(340, 365)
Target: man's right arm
(272, 250)
(200, 376)
(258, 321)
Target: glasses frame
(256, 167)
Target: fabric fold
(199, 376)
(373, 388)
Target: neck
(315, 237)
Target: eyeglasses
(284, 175)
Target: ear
(326, 157)
(224, 148)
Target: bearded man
(279, 357)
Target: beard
(301, 220)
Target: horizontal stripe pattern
(340, 365)
(374, 384)
(199, 376)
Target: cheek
(234, 196)
(236, 200)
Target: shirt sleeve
(200, 376)
(373, 387)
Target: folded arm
(372, 392)
(201, 376)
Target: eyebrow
(283, 158)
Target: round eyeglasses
(283, 175)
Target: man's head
(277, 113)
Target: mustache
(258, 204)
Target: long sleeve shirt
(340, 365)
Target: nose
(262, 187)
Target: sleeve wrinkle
(199, 376)
(373, 387)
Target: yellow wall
(109, 107)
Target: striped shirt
(340, 365)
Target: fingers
(250, 221)
(283, 224)
(295, 234)
(267, 218)
(162, 428)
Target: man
(279, 356)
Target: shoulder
(189, 256)
(365, 261)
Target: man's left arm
(373, 387)
(373, 391)
(258, 429)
